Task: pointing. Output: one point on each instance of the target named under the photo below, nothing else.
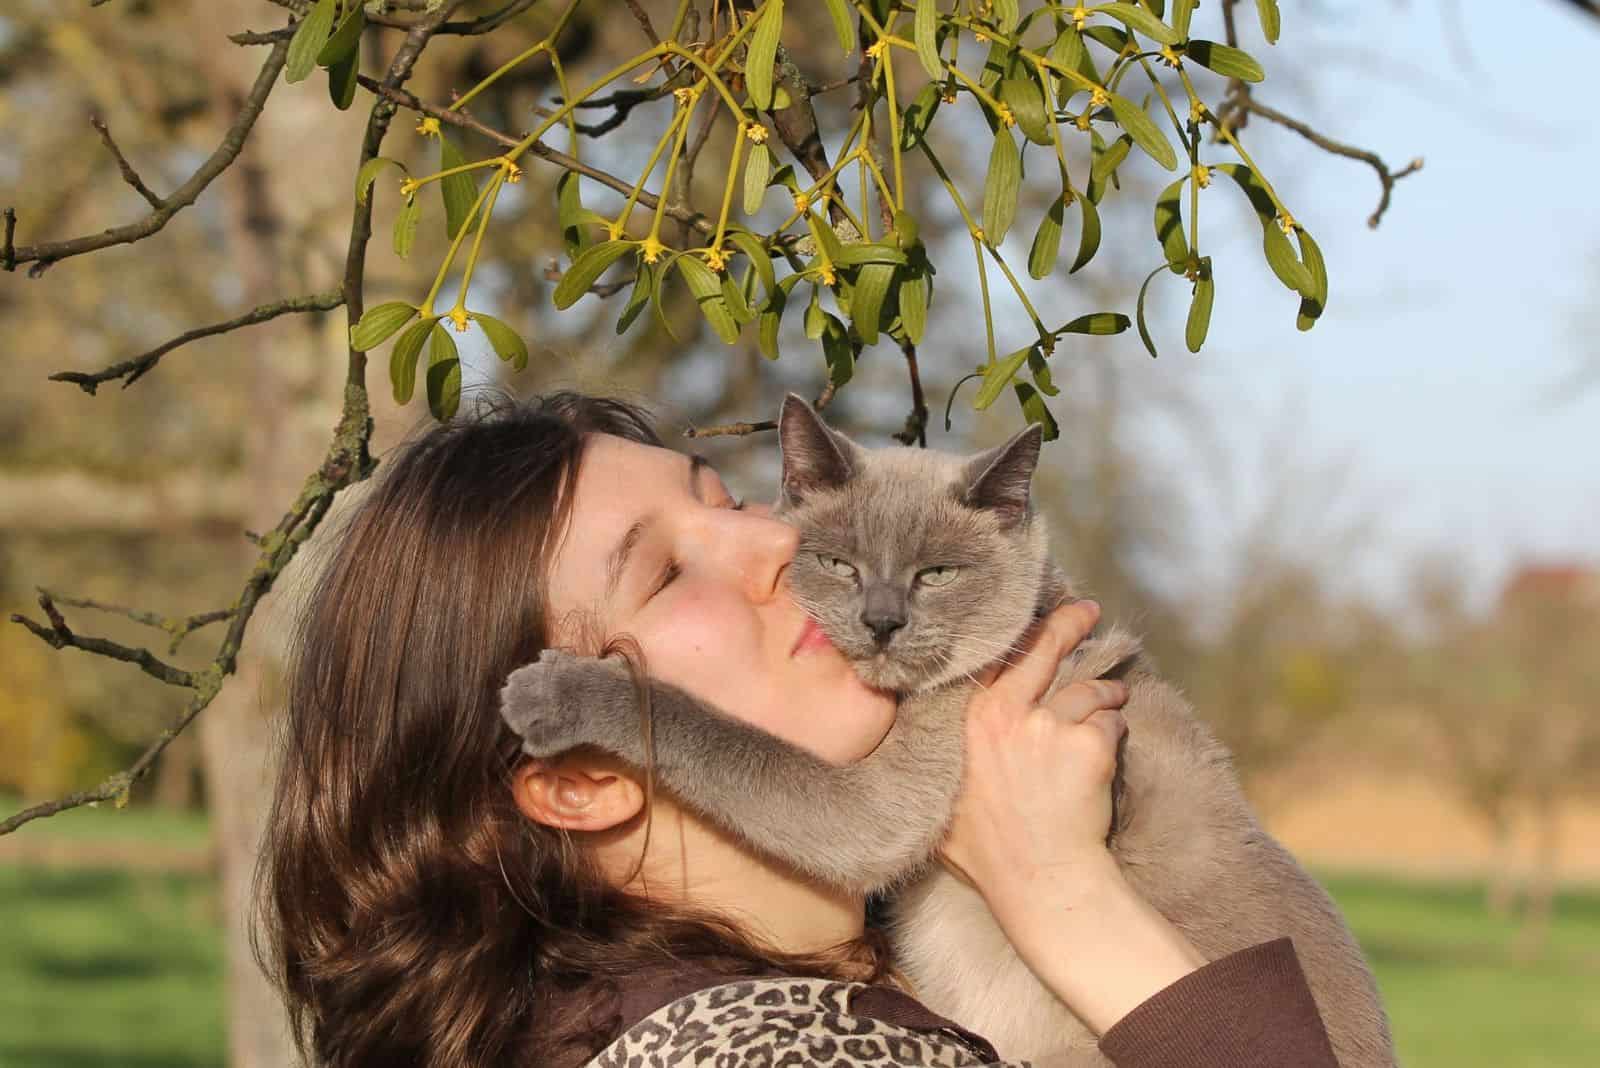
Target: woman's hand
(1030, 833)
(1035, 802)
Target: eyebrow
(617, 561)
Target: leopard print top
(785, 1023)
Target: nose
(884, 611)
(755, 549)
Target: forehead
(619, 483)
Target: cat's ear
(998, 480)
(815, 457)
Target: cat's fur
(1184, 835)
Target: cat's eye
(937, 576)
(835, 566)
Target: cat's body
(923, 568)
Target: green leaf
(763, 55)
(403, 358)
(925, 34)
(1098, 323)
(309, 37)
(838, 352)
(1138, 19)
(844, 24)
(586, 268)
(913, 299)
(638, 297)
(1026, 101)
(1040, 369)
(369, 174)
(405, 226)
(757, 169)
(906, 231)
(914, 122)
(1089, 239)
(1260, 199)
(995, 64)
(1035, 410)
(1115, 40)
(706, 288)
(1144, 329)
(1271, 20)
(1107, 161)
(771, 321)
(1169, 227)
(1194, 333)
(996, 377)
(1006, 15)
(1281, 258)
(342, 44)
(1069, 51)
(866, 303)
(570, 213)
(1313, 303)
(1225, 60)
(378, 323)
(733, 299)
(506, 342)
(460, 191)
(444, 374)
(342, 81)
(1047, 240)
(1181, 12)
(759, 258)
(868, 252)
(827, 241)
(1132, 118)
(1000, 187)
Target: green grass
(136, 823)
(111, 968)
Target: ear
(998, 480)
(814, 457)
(577, 793)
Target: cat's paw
(551, 702)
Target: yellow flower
(802, 203)
(614, 231)
(1202, 175)
(1078, 17)
(1287, 224)
(513, 172)
(428, 126)
(1099, 98)
(825, 272)
(1003, 113)
(1197, 112)
(652, 249)
(683, 96)
(978, 234)
(458, 316)
(409, 187)
(717, 259)
(1068, 196)
(1082, 121)
(756, 132)
(875, 49)
(1170, 58)
(949, 95)
(981, 37)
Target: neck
(688, 862)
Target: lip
(810, 638)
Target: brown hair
(411, 914)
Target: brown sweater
(1252, 1009)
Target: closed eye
(669, 575)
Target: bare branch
(644, 21)
(132, 370)
(129, 175)
(1386, 177)
(400, 96)
(916, 428)
(42, 256)
(254, 37)
(178, 628)
(60, 636)
(730, 429)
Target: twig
(132, 370)
(59, 636)
(1386, 177)
(129, 175)
(178, 628)
(538, 148)
(644, 21)
(8, 253)
(916, 428)
(42, 256)
(730, 429)
(255, 37)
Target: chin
(886, 673)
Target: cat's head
(921, 567)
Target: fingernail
(1093, 606)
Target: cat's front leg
(562, 701)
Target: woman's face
(657, 549)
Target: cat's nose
(883, 625)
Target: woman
(432, 898)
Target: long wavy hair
(409, 911)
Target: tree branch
(42, 256)
(129, 175)
(405, 99)
(59, 636)
(178, 628)
(132, 370)
(1386, 177)
(916, 428)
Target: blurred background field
(1370, 553)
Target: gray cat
(922, 568)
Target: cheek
(700, 639)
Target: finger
(1081, 700)
(1031, 674)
